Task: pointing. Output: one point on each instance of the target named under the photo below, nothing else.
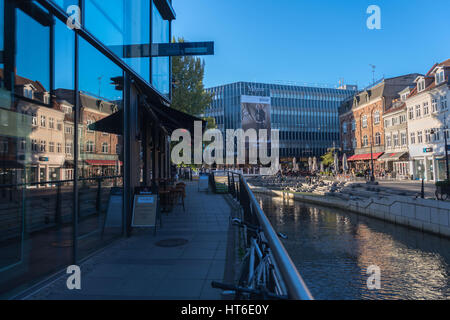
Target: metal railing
(47, 202)
(252, 214)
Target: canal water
(333, 249)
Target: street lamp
(372, 175)
(446, 151)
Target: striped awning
(365, 157)
(392, 156)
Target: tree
(188, 93)
(211, 122)
(328, 158)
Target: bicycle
(259, 277)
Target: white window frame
(412, 138)
(69, 147)
(377, 139)
(411, 113)
(426, 109)
(388, 141)
(90, 147)
(105, 150)
(376, 117)
(434, 105)
(421, 85)
(403, 139)
(395, 140)
(364, 121)
(440, 76)
(365, 141)
(43, 146)
(418, 111)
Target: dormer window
(404, 96)
(421, 85)
(28, 93)
(439, 76)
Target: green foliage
(188, 93)
(328, 159)
(211, 122)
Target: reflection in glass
(36, 200)
(160, 65)
(64, 4)
(35, 38)
(100, 146)
(121, 22)
(1, 23)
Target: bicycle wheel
(437, 194)
(243, 271)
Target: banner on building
(255, 111)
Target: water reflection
(332, 249)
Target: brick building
(361, 122)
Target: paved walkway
(136, 268)
(413, 187)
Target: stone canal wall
(422, 214)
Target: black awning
(169, 118)
(173, 119)
(70, 163)
(112, 124)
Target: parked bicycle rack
(286, 279)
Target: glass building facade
(307, 117)
(74, 121)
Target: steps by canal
(422, 214)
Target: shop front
(396, 165)
(361, 164)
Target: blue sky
(318, 41)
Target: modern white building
(428, 120)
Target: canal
(333, 249)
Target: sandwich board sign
(145, 211)
(113, 217)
